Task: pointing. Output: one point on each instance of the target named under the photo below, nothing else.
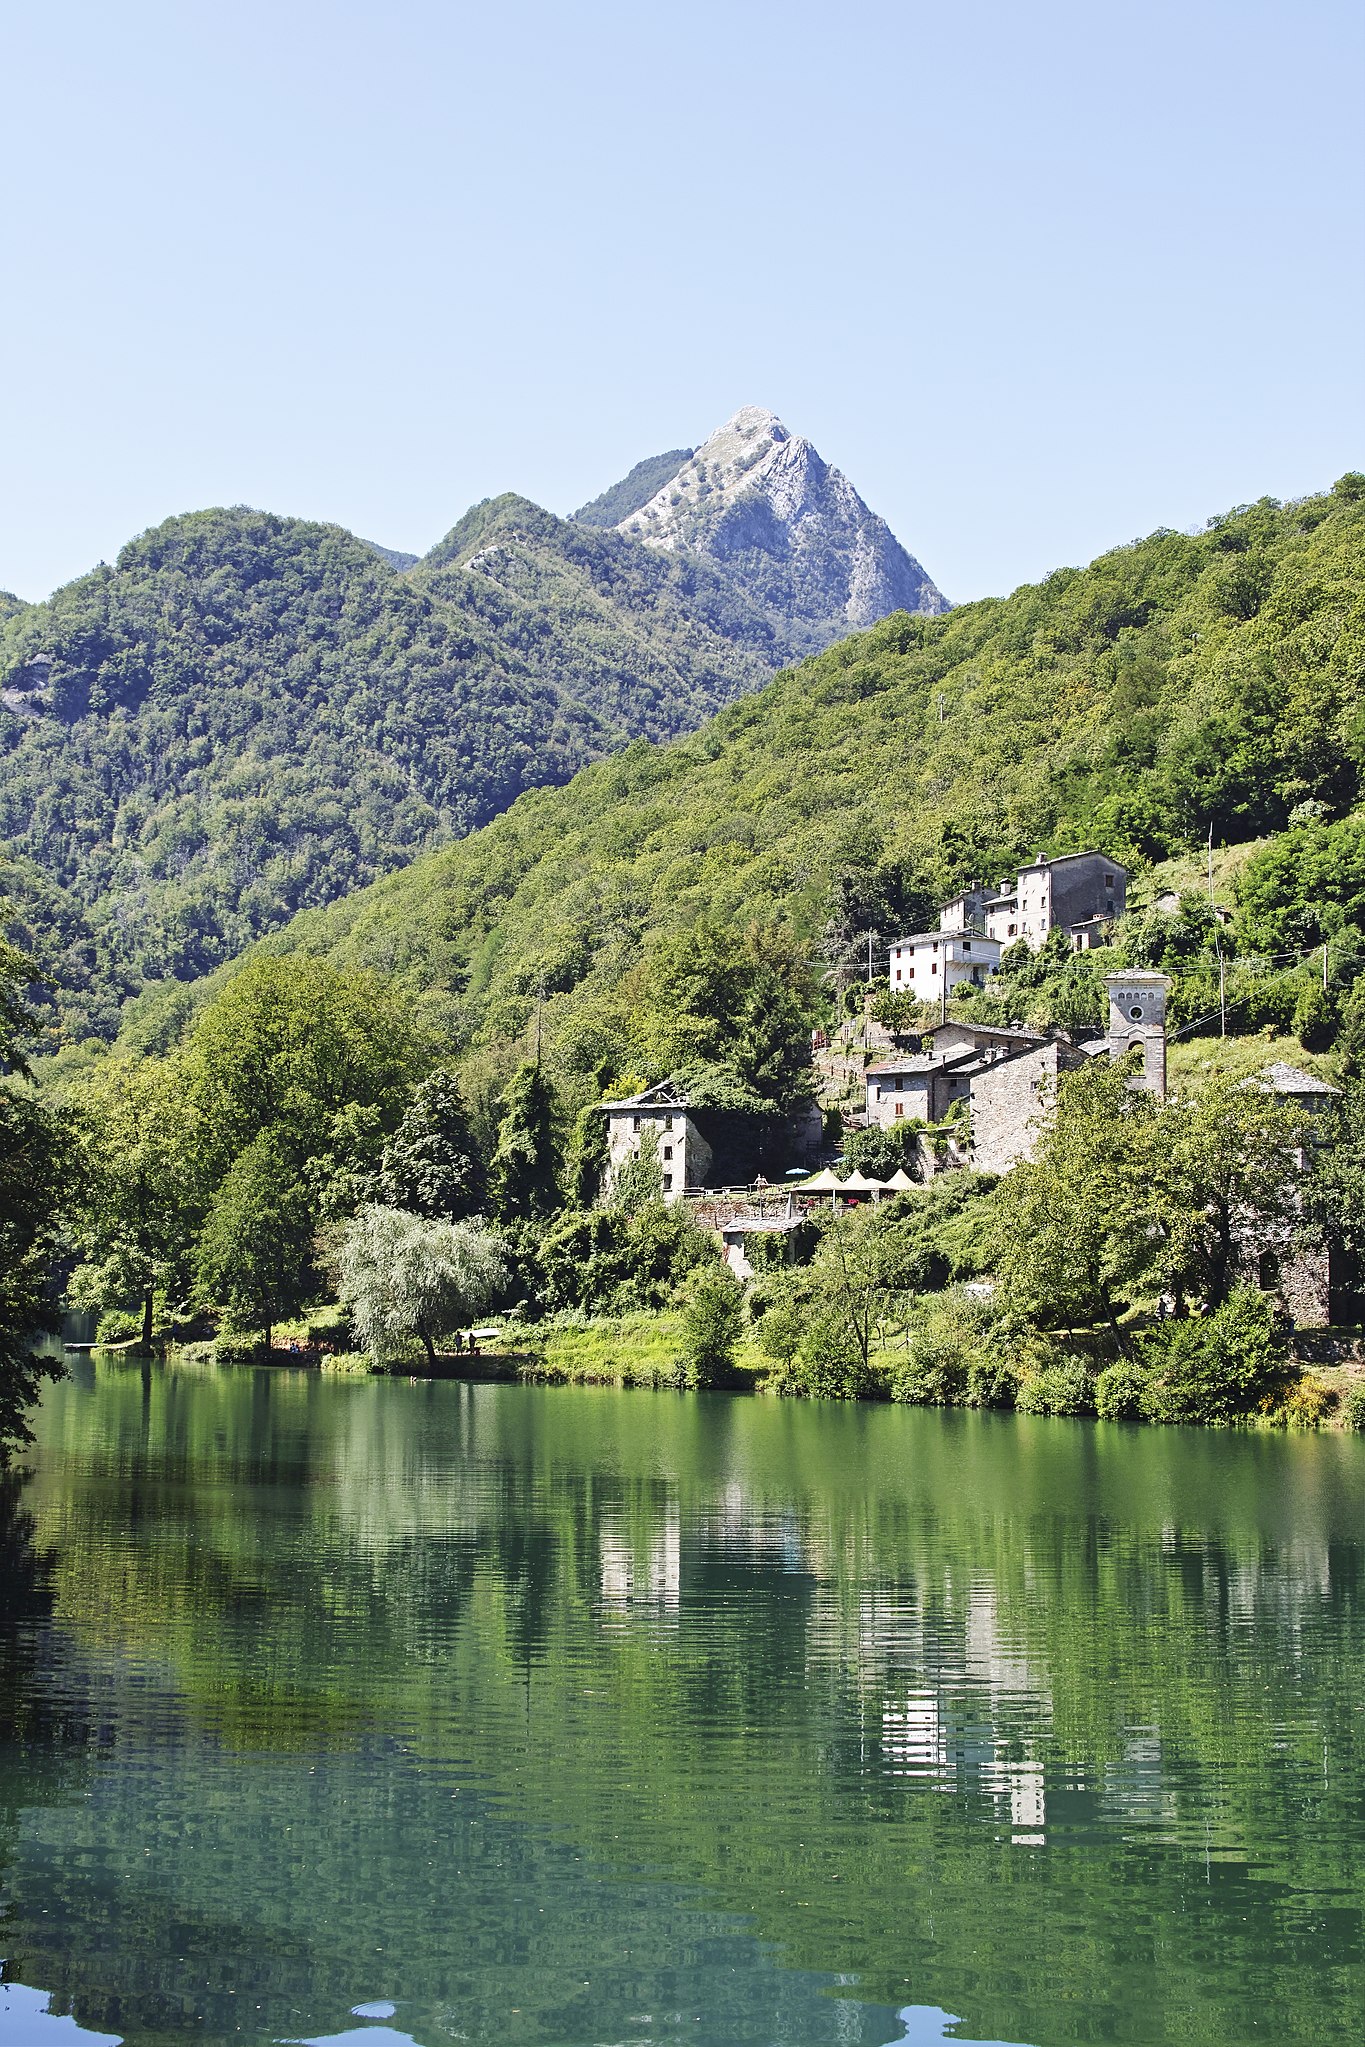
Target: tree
(36, 1176)
(405, 1275)
(255, 1251)
(713, 1317)
(1334, 1196)
(585, 1163)
(430, 1166)
(1232, 1168)
(743, 997)
(524, 1177)
(288, 1045)
(1078, 1228)
(142, 1196)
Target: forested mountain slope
(654, 643)
(1178, 682)
(248, 715)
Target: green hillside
(1179, 682)
(247, 715)
(653, 642)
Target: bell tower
(1137, 1023)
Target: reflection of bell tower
(1137, 1023)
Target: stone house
(661, 1116)
(1301, 1274)
(1081, 892)
(1005, 1077)
(925, 1084)
(1008, 1095)
(699, 1146)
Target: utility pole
(871, 941)
(1324, 966)
(1218, 943)
(540, 1007)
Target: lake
(439, 1713)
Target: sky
(1037, 278)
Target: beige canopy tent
(900, 1180)
(823, 1183)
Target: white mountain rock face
(763, 505)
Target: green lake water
(439, 1713)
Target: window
(634, 1122)
(1136, 1012)
(1109, 881)
(1014, 930)
(898, 973)
(668, 1183)
(900, 1108)
(966, 945)
(934, 968)
(668, 1151)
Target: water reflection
(27, 2020)
(497, 1714)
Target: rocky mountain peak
(762, 504)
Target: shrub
(1307, 1402)
(991, 1381)
(1060, 1388)
(1119, 1392)
(934, 1374)
(829, 1363)
(1214, 1368)
(713, 1317)
(233, 1347)
(119, 1325)
(963, 1351)
(1353, 1408)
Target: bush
(962, 1352)
(991, 1381)
(119, 1325)
(1214, 1368)
(829, 1362)
(1061, 1388)
(1119, 1392)
(713, 1317)
(1353, 1408)
(1307, 1403)
(234, 1348)
(934, 1374)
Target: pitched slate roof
(1280, 1078)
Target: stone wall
(1008, 1097)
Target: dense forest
(247, 715)
(1180, 684)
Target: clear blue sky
(1038, 278)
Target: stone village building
(698, 1146)
(1005, 1079)
(1082, 893)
